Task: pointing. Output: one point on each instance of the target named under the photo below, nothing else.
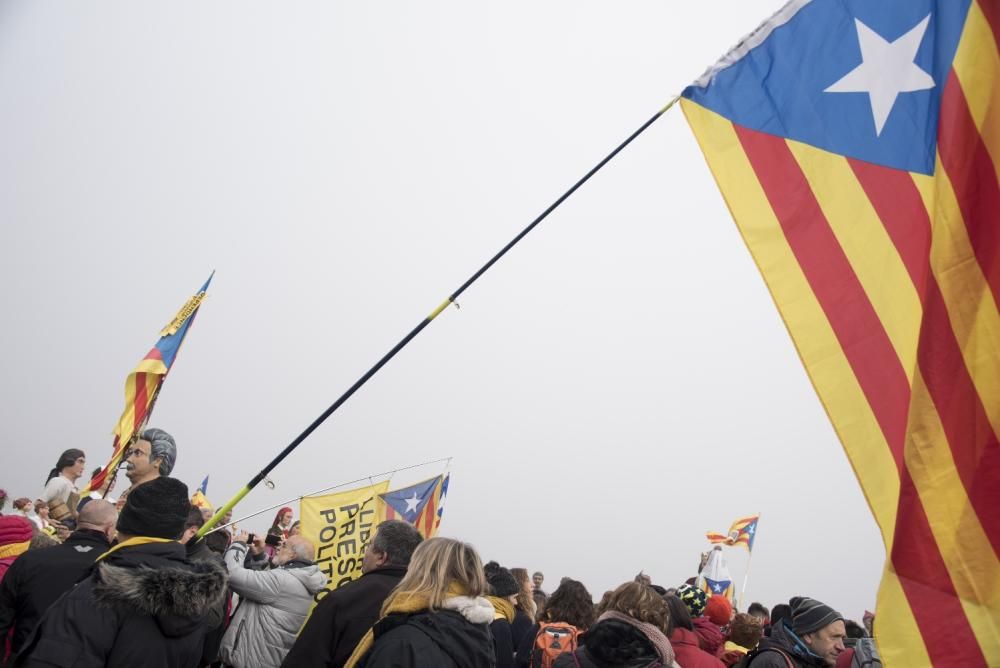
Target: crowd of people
(93, 582)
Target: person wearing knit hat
(145, 603)
(156, 509)
(685, 641)
(710, 637)
(15, 537)
(809, 615)
(814, 636)
(719, 611)
(694, 598)
(503, 596)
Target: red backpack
(553, 639)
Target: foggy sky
(615, 387)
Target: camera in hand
(250, 538)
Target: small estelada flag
(417, 504)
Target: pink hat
(15, 535)
(719, 610)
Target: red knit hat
(719, 610)
(15, 535)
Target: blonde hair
(437, 566)
(638, 601)
(525, 599)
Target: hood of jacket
(309, 574)
(682, 636)
(460, 629)
(615, 643)
(156, 580)
(784, 638)
(710, 636)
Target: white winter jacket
(273, 606)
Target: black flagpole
(419, 328)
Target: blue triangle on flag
(409, 502)
(718, 587)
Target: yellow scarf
(504, 608)
(730, 646)
(131, 542)
(402, 603)
(14, 549)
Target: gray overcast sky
(618, 385)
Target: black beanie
(157, 508)
(809, 615)
(502, 582)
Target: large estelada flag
(857, 146)
(741, 532)
(143, 384)
(417, 504)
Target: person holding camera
(262, 549)
(273, 604)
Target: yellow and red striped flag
(857, 145)
(741, 532)
(143, 384)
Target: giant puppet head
(152, 456)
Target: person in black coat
(197, 549)
(344, 615)
(503, 595)
(145, 603)
(39, 577)
(450, 637)
(436, 616)
(524, 607)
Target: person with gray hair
(344, 615)
(151, 456)
(274, 602)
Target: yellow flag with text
(340, 526)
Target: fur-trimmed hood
(177, 594)
(456, 634)
(477, 610)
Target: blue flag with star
(855, 77)
(409, 502)
(718, 587)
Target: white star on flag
(412, 503)
(886, 70)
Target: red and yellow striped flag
(857, 146)
(143, 384)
